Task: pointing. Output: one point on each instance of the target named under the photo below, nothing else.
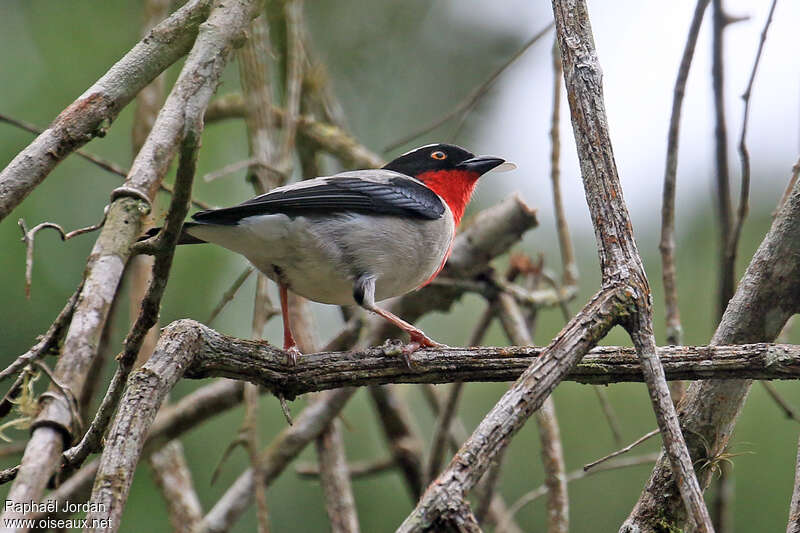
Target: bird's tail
(185, 238)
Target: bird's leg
(289, 343)
(364, 294)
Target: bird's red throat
(454, 186)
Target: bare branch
(609, 414)
(147, 389)
(230, 294)
(326, 137)
(292, 13)
(549, 435)
(619, 452)
(794, 507)
(570, 268)
(105, 164)
(667, 244)
(624, 299)
(49, 340)
(726, 281)
(766, 297)
(335, 478)
(472, 98)
(744, 154)
(355, 470)
(311, 422)
(28, 237)
(171, 422)
(173, 477)
(91, 114)
(165, 243)
(184, 107)
(787, 409)
(572, 476)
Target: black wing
(396, 196)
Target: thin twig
(356, 469)
(335, 480)
(441, 431)
(667, 243)
(472, 98)
(787, 409)
(575, 475)
(91, 114)
(327, 137)
(549, 435)
(28, 237)
(249, 431)
(105, 164)
(726, 280)
(229, 169)
(610, 415)
(165, 243)
(570, 267)
(49, 340)
(275, 457)
(744, 154)
(626, 449)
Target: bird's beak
(485, 163)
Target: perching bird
(355, 237)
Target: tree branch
(220, 355)
(311, 422)
(335, 479)
(182, 111)
(793, 525)
(667, 243)
(624, 299)
(768, 294)
(324, 136)
(92, 113)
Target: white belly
(320, 258)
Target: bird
(355, 237)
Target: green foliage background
(54, 50)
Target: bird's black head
(441, 156)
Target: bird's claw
(418, 340)
(293, 352)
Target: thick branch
(768, 294)
(220, 355)
(512, 410)
(146, 391)
(619, 258)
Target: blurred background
(396, 66)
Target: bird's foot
(418, 340)
(293, 352)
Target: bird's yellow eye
(439, 155)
